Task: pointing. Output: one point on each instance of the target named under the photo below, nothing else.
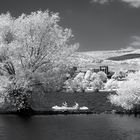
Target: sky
(96, 24)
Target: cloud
(99, 1)
(132, 3)
(135, 42)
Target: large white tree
(34, 46)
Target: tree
(88, 75)
(32, 45)
(127, 95)
(94, 76)
(97, 84)
(119, 75)
(112, 84)
(102, 76)
(128, 92)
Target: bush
(134, 76)
(128, 93)
(102, 76)
(79, 77)
(19, 94)
(94, 76)
(119, 75)
(88, 75)
(96, 85)
(84, 82)
(112, 84)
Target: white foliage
(134, 76)
(94, 76)
(88, 75)
(97, 84)
(102, 76)
(128, 93)
(80, 83)
(111, 84)
(79, 77)
(119, 75)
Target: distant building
(96, 70)
(104, 69)
(131, 71)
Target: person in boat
(65, 104)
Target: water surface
(70, 127)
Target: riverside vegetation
(35, 56)
(125, 84)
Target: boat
(60, 108)
(65, 107)
(83, 108)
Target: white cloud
(133, 3)
(135, 42)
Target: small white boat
(65, 107)
(59, 108)
(83, 108)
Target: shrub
(97, 84)
(94, 76)
(134, 76)
(112, 84)
(128, 93)
(79, 77)
(102, 76)
(19, 94)
(87, 75)
(86, 81)
(119, 75)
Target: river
(70, 127)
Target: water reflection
(70, 127)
